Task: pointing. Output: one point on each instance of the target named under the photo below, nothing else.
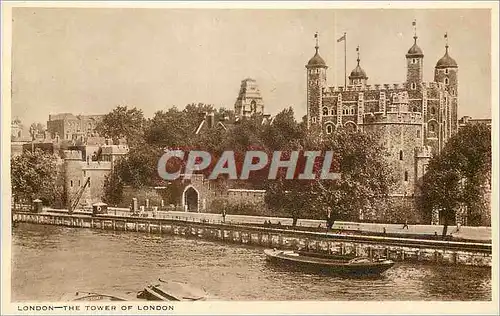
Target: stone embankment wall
(398, 249)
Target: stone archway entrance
(190, 199)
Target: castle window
(432, 127)
(71, 183)
(400, 155)
(418, 133)
(414, 61)
(329, 129)
(314, 120)
(325, 111)
(332, 112)
(413, 86)
(79, 183)
(433, 110)
(406, 175)
(446, 71)
(353, 111)
(446, 81)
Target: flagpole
(345, 60)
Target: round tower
(72, 174)
(316, 80)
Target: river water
(50, 261)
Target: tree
(283, 131)
(293, 197)
(37, 128)
(459, 175)
(113, 188)
(123, 123)
(366, 177)
(34, 176)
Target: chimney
(211, 120)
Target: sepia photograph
(169, 159)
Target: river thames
(51, 261)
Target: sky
(88, 61)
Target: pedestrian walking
(406, 225)
(224, 215)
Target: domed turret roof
(446, 61)
(358, 73)
(415, 50)
(316, 60)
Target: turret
(414, 62)
(446, 72)
(358, 75)
(316, 80)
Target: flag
(414, 23)
(316, 35)
(341, 39)
(357, 49)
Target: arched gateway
(190, 199)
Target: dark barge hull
(324, 263)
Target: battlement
(330, 91)
(72, 155)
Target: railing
(385, 240)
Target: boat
(160, 291)
(350, 265)
(166, 290)
(98, 297)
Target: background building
(249, 100)
(68, 126)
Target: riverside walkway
(466, 233)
